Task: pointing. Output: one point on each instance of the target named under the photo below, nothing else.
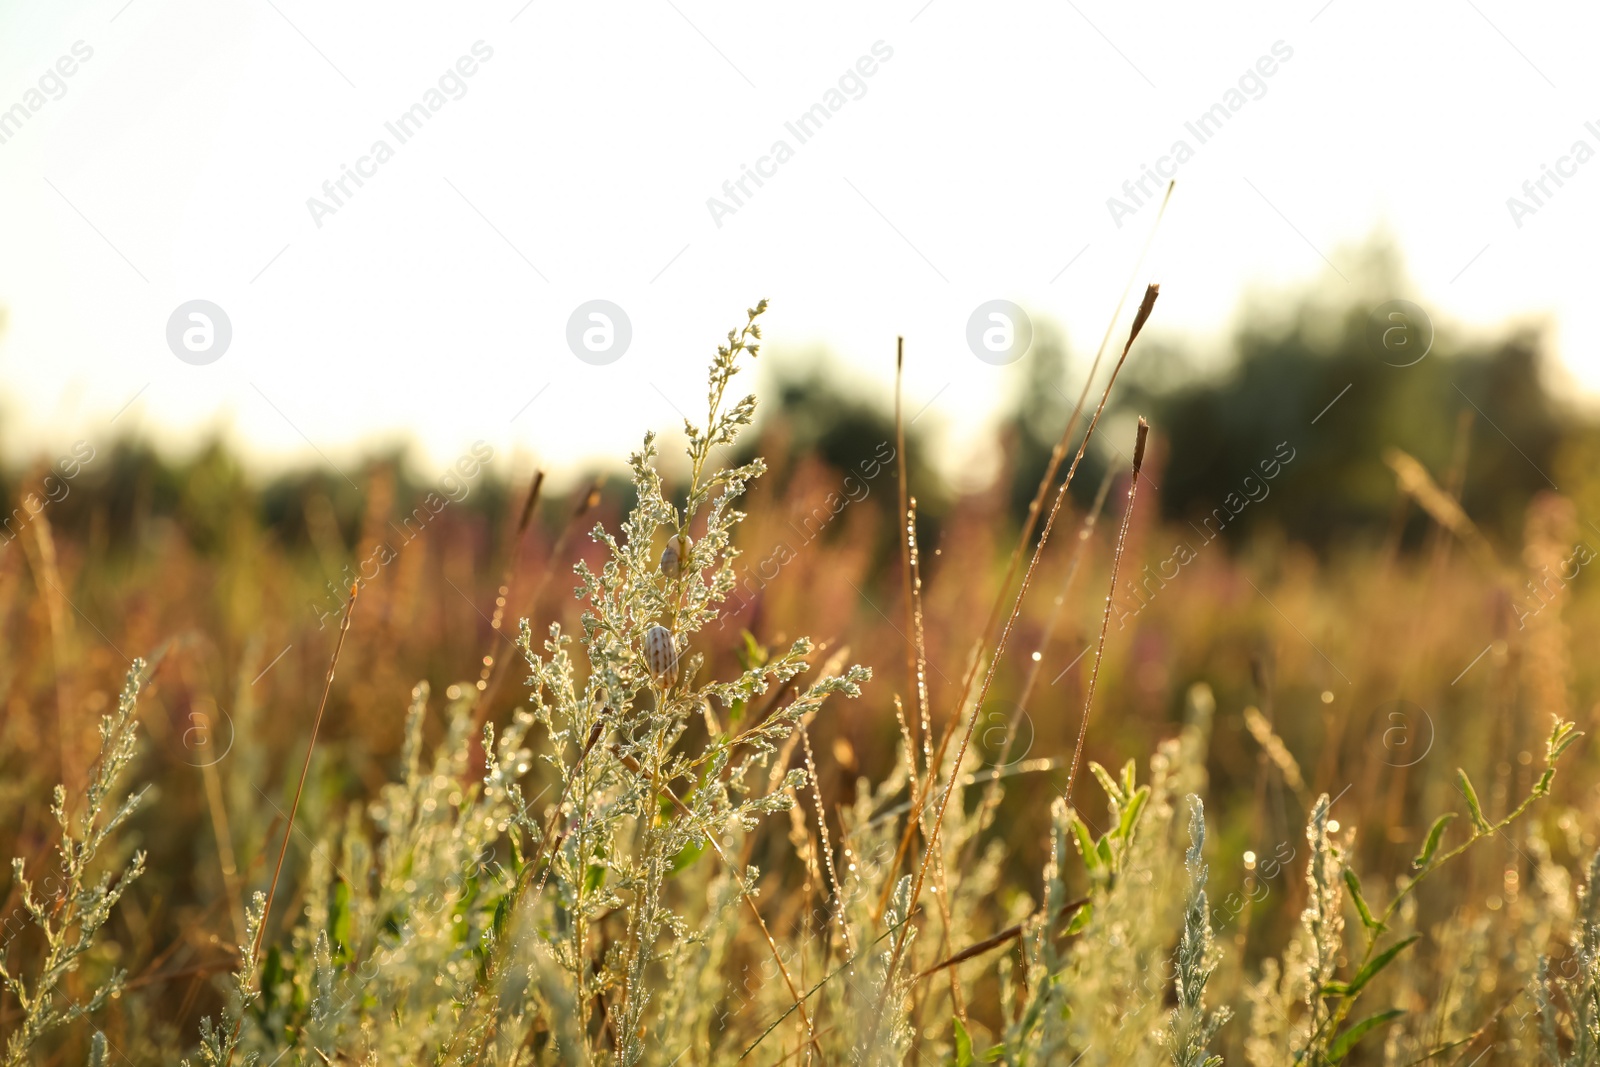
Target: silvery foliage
(68, 916)
(639, 803)
(470, 930)
(1568, 995)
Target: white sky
(577, 165)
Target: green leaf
(502, 916)
(1542, 786)
(1474, 808)
(1345, 1041)
(1379, 962)
(1430, 847)
(272, 974)
(1080, 918)
(1353, 884)
(752, 655)
(1336, 989)
(339, 921)
(1108, 783)
(594, 876)
(1563, 735)
(963, 1044)
(1080, 833)
(1130, 778)
(686, 857)
(1104, 848)
(1131, 813)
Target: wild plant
(1567, 994)
(1100, 997)
(642, 795)
(1324, 1033)
(473, 930)
(1192, 1027)
(72, 912)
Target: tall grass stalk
(1145, 307)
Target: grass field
(1131, 792)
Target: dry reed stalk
(1550, 530)
(822, 831)
(1455, 479)
(805, 850)
(493, 670)
(374, 518)
(991, 795)
(1439, 543)
(1277, 753)
(1417, 483)
(920, 647)
(223, 831)
(221, 828)
(1010, 933)
(1105, 620)
(912, 775)
(1035, 507)
(1145, 307)
(946, 939)
(919, 643)
(41, 554)
(586, 503)
(912, 678)
(294, 808)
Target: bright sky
(967, 155)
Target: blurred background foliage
(1299, 368)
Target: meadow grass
(677, 844)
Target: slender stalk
(223, 832)
(1105, 620)
(1035, 508)
(991, 795)
(40, 551)
(294, 809)
(493, 670)
(919, 644)
(912, 676)
(827, 845)
(825, 979)
(1143, 316)
(1010, 933)
(585, 503)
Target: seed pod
(660, 656)
(675, 556)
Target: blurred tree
(1310, 392)
(818, 412)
